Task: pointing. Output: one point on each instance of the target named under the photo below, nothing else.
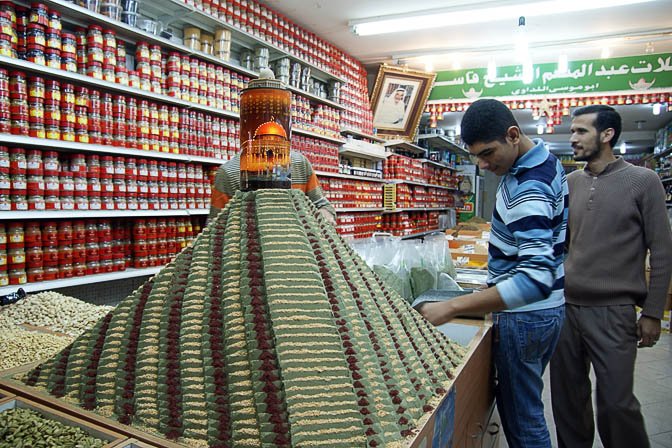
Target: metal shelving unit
(77, 281)
(176, 11)
(83, 214)
(421, 184)
(18, 64)
(416, 209)
(60, 145)
(442, 142)
(360, 134)
(421, 234)
(357, 209)
(348, 176)
(406, 147)
(439, 164)
(316, 135)
(362, 153)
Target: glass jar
(52, 201)
(17, 277)
(68, 43)
(53, 39)
(35, 54)
(122, 76)
(95, 35)
(67, 201)
(39, 14)
(6, 48)
(110, 56)
(110, 39)
(18, 181)
(145, 82)
(95, 203)
(134, 79)
(65, 271)
(109, 73)
(35, 35)
(95, 53)
(52, 58)
(68, 62)
(79, 269)
(36, 87)
(65, 254)
(55, 20)
(95, 70)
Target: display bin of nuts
(29, 424)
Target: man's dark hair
(606, 118)
(486, 121)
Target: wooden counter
(466, 415)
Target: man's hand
(648, 331)
(437, 313)
(328, 216)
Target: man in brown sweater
(616, 214)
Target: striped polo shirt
(527, 239)
(227, 182)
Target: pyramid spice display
(268, 330)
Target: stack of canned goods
(37, 251)
(45, 180)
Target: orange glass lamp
(265, 133)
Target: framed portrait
(398, 99)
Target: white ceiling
(579, 35)
(329, 20)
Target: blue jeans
(523, 346)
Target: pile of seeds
(53, 311)
(20, 347)
(28, 428)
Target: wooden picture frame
(398, 100)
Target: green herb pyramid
(268, 331)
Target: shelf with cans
(40, 182)
(174, 79)
(211, 48)
(81, 251)
(411, 222)
(254, 27)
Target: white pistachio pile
(53, 311)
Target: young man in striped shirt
(525, 271)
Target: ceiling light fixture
(429, 67)
(563, 63)
(605, 53)
(657, 108)
(624, 148)
(649, 49)
(521, 49)
(434, 18)
(456, 65)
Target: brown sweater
(614, 217)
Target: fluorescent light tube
(465, 15)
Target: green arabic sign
(637, 73)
